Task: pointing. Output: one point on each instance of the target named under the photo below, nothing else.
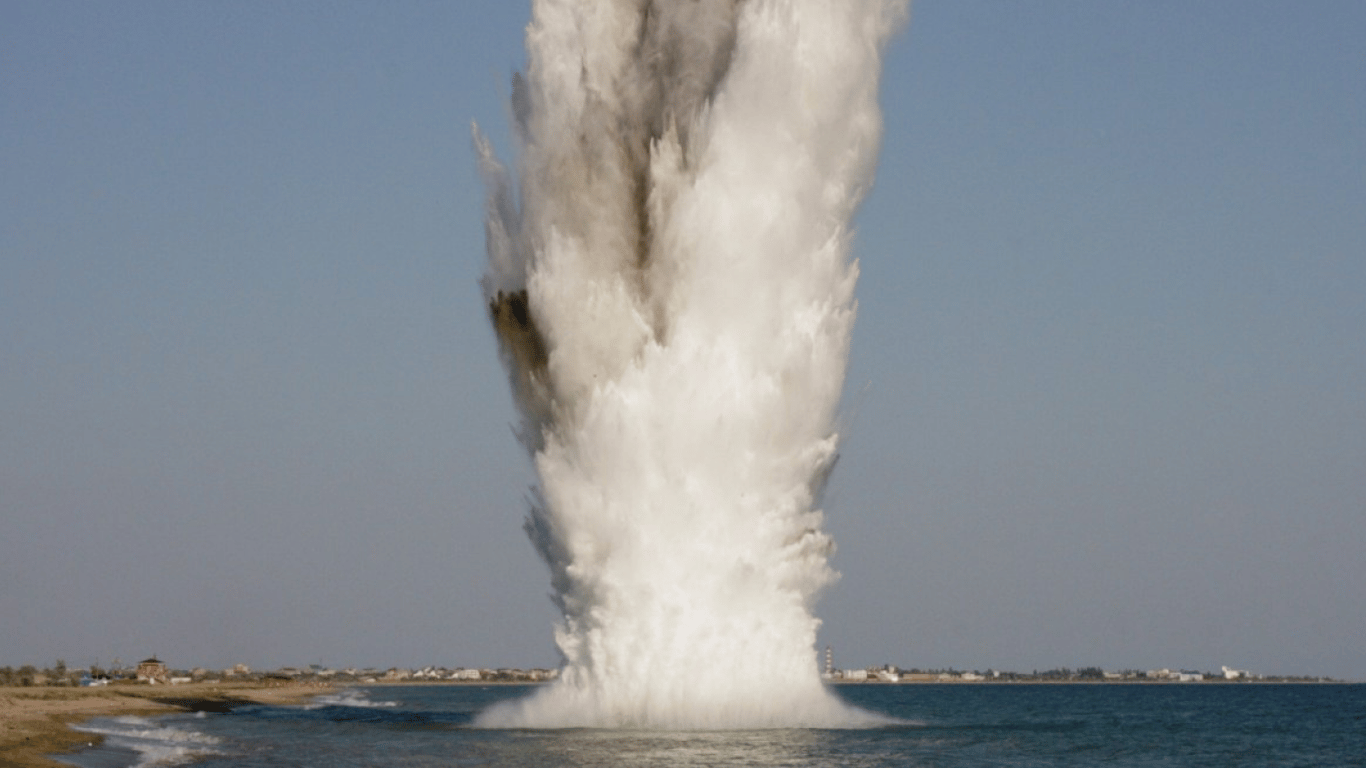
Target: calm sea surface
(947, 725)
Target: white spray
(673, 295)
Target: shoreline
(35, 722)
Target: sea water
(938, 725)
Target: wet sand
(34, 722)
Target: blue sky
(1106, 403)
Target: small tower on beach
(152, 670)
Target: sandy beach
(34, 721)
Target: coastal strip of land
(35, 722)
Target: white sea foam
(671, 283)
(155, 742)
(350, 698)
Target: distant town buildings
(891, 674)
(152, 670)
(155, 672)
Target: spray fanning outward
(672, 291)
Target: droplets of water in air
(671, 284)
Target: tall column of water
(671, 284)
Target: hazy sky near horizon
(1106, 404)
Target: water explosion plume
(671, 287)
